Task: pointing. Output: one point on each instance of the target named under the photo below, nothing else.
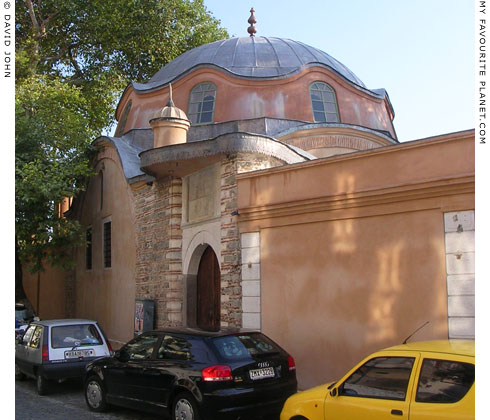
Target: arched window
(323, 103)
(124, 119)
(201, 103)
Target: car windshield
(243, 346)
(74, 336)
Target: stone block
(461, 306)
(175, 317)
(174, 306)
(460, 220)
(462, 327)
(457, 242)
(462, 284)
(460, 263)
(250, 240)
(251, 255)
(250, 271)
(251, 288)
(175, 267)
(175, 243)
(251, 321)
(251, 304)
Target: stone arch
(190, 267)
(195, 249)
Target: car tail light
(217, 373)
(45, 353)
(291, 364)
(109, 347)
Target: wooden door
(208, 292)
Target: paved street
(66, 401)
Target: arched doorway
(208, 292)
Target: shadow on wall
(352, 282)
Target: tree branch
(45, 22)
(32, 15)
(73, 60)
(57, 56)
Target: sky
(420, 51)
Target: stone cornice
(159, 160)
(463, 184)
(351, 137)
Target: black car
(192, 375)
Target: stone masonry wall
(158, 213)
(231, 253)
(231, 300)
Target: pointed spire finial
(252, 30)
(170, 100)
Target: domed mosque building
(256, 182)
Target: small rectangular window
(68, 336)
(88, 249)
(28, 334)
(444, 381)
(244, 346)
(36, 338)
(107, 244)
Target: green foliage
(73, 59)
(52, 162)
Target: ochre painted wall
(108, 294)
(355, 261)
(239, 99)
(52, 292)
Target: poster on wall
(143, 315)
(138, 317)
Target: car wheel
(185, 408)
(95, 394)
(19, 375)
(42, 384)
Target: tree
(73, 59)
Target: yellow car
(417, 381)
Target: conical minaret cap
(169, 125)
(170, 111)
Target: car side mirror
(117, 354)
(19, 340)
(333, 392)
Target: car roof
(60, 322)
(203, 333)
(460, 347)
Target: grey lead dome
(250, 57)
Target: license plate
(262, 373)
(79, 354)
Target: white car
(55, 350)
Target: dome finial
(170, 100)
(252, 30)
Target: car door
(125, 376)
(445, 388)
(171, 361)
(379, 388)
